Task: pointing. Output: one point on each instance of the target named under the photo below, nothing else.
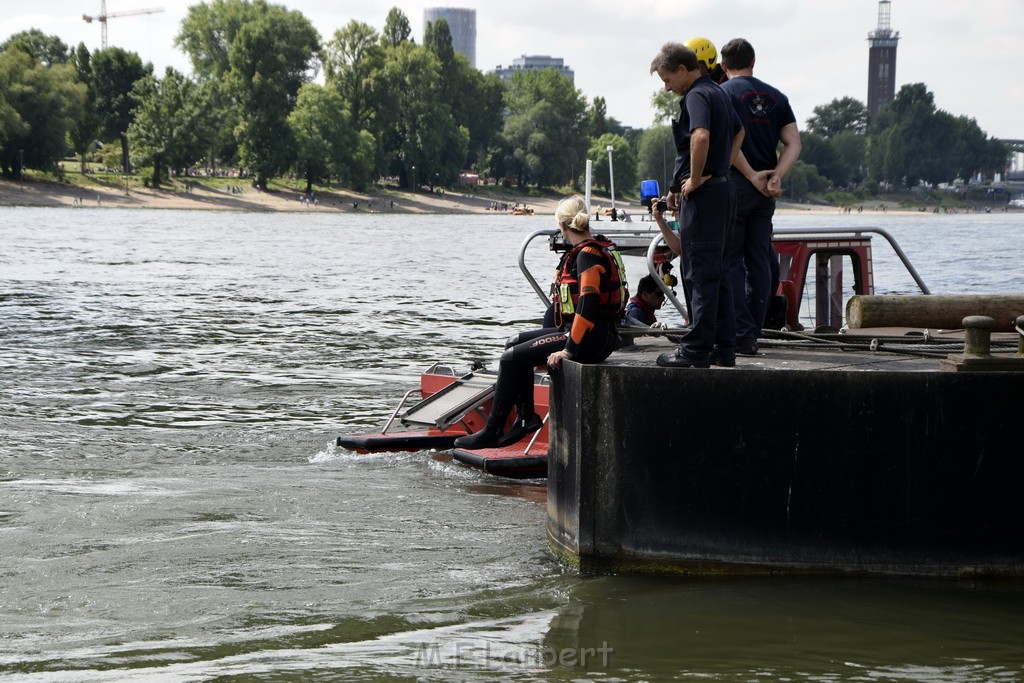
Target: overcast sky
(967, 52)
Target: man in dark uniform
(707, 136)
(768, 120)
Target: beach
(339, 200)
(390, 200)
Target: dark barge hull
(768, 470)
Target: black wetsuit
(589, 335)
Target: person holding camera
(707, 136)
(589, 296)
(768, 120)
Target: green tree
(325, 141)
(483, 100)
(666, 106)
(850, 148)
(13, 128)
(438, 39)
(802, 180)
(597, 118)
(350, 57)
(623, 162)
(270, 58)
(170, 123)
(396, 28)
(475, 99)
(48, 50)
(997, 156)
(361, 164)
(545, 127)
(838, 116)
(206, 36)
(414, 126)
(87, 126)
(839, 158)
(913, 141)
(38, 105)
(974, 151)
(209, 30)
(656, 155)
(114, 74)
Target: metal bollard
(977, 354)
(978, 335)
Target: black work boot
(521, 427)
(486, 438)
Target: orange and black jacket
(590, 290)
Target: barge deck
(818, 455)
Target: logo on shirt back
(760, 105)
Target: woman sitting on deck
(589, 296)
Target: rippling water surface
(172, 506)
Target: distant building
(461, 23)
(534, 63)
(882, 61)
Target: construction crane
(103, 16)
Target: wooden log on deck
(933, 311)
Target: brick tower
(882, 61)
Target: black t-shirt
(705, 105)
(764, 112)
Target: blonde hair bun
(572, 213)
(581, 221)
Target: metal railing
(856, 232)
(658, 240)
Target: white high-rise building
(534, 63)
(461, 23)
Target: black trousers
(527, 350)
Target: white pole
(590, 173)
(611, 175)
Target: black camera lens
(662, 205)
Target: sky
(967, 53)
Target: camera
(650, 196)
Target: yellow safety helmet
(705, 50)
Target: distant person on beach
(642, 307)
(768, 120)
(589, 296)
(707, 137)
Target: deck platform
(817, 455)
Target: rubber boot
(526, 422)
(487, 437)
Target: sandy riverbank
(39, 193)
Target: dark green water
(172, 507)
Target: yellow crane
(103, 16)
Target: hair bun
(581, 221)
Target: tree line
(389, 107)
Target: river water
(172, 506)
